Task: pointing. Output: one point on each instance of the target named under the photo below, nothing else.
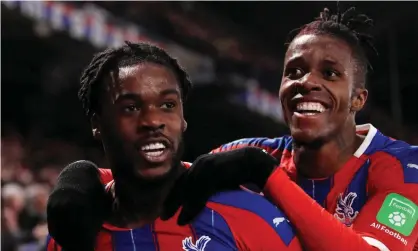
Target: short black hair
(350, 26)
(127, 55)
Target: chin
(306, 136)
(153, 173)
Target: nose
(151, 120)
(308, 83)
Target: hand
(77, 207)
(213, 173)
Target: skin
(140, 104)
(322, 69)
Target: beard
(139, 197)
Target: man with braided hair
(134, 97)
(344, 187)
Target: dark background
(43, 126)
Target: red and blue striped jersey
(360, 195)
(235, 220)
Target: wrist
(261, 175)
(276, 178)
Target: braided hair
(349, 26)
(112, 59)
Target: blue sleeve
(261, 207)
(269, 144)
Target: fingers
(259, 154)
(195, 199)
(208, 175)
(188, 192)
(174, 199)
(198, 191)
(190, 211)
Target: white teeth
(298, 96)
(154, 154)
(306, 107)
(154, 147)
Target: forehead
(319, 47)
(146, 77)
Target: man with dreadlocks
(344, 187)
(134, 97)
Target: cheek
(282, 91)
(284, 86)
(343, 98)
(174, 127)
(127, 127)
(119, 129)
(344, 103)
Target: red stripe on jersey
(249, 229)
(105, 175)
(272, 151)
(186, 164)
(288, 164)
(110, 227)
(104, 241)
(168, 234)
(52, 245)
(342, 179)
(57, 247)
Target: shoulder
(268, 144)
(406, 156)
(50, 243)
(396, 159)
(245, 211)
(105, 175)
(393, 171)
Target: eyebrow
(127, 96)
(332, 62)
(295, 58)
(170, 91)
(327, 61)
(136, 97)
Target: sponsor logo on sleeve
(390, 232)
(398, 213)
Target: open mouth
(303, 106)
(309, 108)
(155, 152)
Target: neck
(324, 159)
(139, 202)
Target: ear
(184, 125)
(358, 100)
(95, 126)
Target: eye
(331, 74)
(130, 108)
(294, 73)
(168, 105)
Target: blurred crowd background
(232, 50)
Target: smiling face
(318, 93)
(141, 121)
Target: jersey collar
(370, 132)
